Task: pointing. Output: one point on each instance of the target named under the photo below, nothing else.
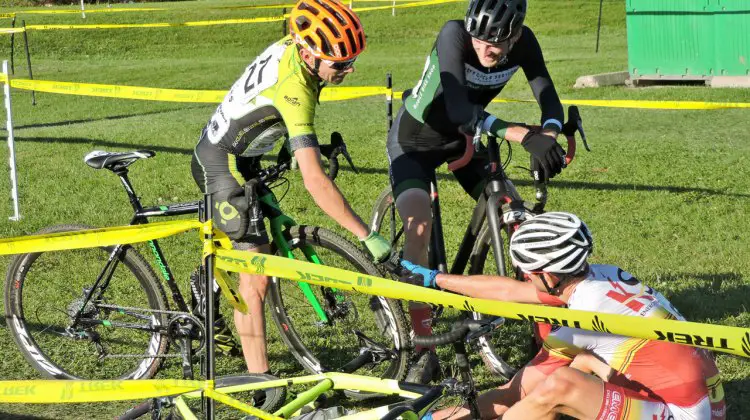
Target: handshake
(418, 275)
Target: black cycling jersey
(454, 81)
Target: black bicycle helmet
(495, 20)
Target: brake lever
(477, 140)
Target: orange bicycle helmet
(328, 29)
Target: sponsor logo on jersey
(292, 100)
(479, 79)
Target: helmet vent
(352, 19)
(325, 46)
(332, 27)
(303, 23)
(350, 35)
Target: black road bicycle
(497, 214)
(103, 313)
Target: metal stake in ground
(389, 99)
(599, 25)
(11, 146)
(28, 59)
(208, 265)
(12, 46)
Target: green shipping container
(688, 39)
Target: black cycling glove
(547, 157)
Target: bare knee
(555, 390)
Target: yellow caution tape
(57, 391)
(400, 6)
(639, 104)
(78, 11)
(11, 30)
(213, 22)
(732, 340)
(90, 238)
(327, 95)
(114, 91)
(157, 25)
(347, 93)
(228, 290)
(7, 15)
(240, 405)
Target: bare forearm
(328, 197)
(489, 287)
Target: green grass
(665, 192)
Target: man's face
(334, 72)
(539, 278)
(489, 53)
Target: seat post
(122, 173)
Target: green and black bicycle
(103, 313)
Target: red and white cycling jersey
(679, 375)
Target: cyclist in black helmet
(470, 63)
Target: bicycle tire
(488, 352)
(56, 280)
(268, 400)
(328, 346)
(514, 337)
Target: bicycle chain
(128, 308)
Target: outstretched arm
(326, 194)
(490, 287)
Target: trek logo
(694, 340)
(292, 100)
(10, 391)
(746, 344)
(547, 320)
(259, 263)
(598, 325)
(231, 260)
(316, 277)
(364, 281)
(104, 386)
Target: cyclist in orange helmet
(274, 100)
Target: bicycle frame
(499, 190)
(279, 221)
(423, 396)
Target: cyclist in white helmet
(636, 378)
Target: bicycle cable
(282, 180)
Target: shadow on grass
(4, 415)
(715, 295)
(737, 397)
(577, 185)
(96, 143)
(109, 118)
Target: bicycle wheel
(511, 346)
(44, 290)
(268, 400)
(385, 219)
(327, 346)
(506, 348)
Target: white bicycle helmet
(555, 242)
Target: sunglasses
(340, 65)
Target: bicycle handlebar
(569, 129)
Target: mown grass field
(665, 192)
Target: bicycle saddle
(99, 159)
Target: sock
(421, 323)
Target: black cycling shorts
(217, 172)
(415, 151)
